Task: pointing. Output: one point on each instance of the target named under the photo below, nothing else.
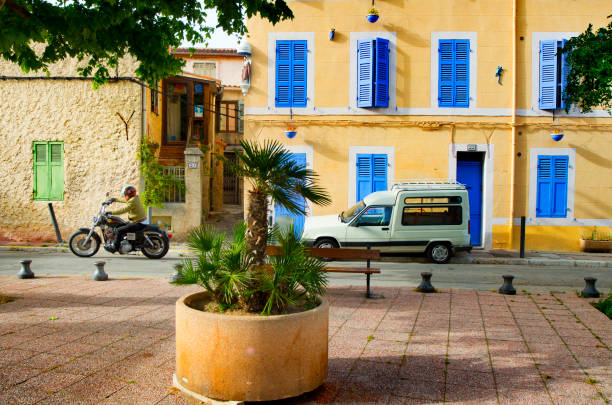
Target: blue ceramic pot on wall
(372, 18)
(556, 137)
(290, 134)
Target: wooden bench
(342, 253)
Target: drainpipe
(513, 124)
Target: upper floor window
(228, 116)
(205, 69)
(291, 74)
(554, 70)
(454, 73)
(373, 73)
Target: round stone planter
(252, 357)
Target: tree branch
(16, 8)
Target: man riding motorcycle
(135, 211)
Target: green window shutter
(56, 168)
(48, 170)
(41, 171)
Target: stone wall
(97, 156)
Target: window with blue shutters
(454, 73)
(371, 174)
(552, 186)
(554, 70)
(373, 73)
(291, 73)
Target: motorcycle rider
(135, 211)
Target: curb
(534, 262)
(61, 249)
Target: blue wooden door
(284, 217)
(470, 174)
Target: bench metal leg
(368, 293)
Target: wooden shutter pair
(373, 73)
(291, 73)
(48, 171)
(552, 81)
(552, 186)
(454, 73)
(371, 174)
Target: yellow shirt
(133, 207)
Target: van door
(370, 228)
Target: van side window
(440, 215)
(375, 216)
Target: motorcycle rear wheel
(81, 249)
(161, 243)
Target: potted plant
(372, 15)
(225, 348)
(596, 241)
(290, 131)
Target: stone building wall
(98, 158)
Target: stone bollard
(507, 287)
(590, 291)
(99, 274)
(177, 273)
(25, 271)
(425, 286)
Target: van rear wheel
(439, 252)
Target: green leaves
(157, 181)
(589, 83)
(103, 30)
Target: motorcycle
(151, 240)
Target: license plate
(131, 236)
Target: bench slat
(334, 253)
(360, 270)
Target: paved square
(67, 339)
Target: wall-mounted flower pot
(290, 134)
(556, 137)
(332, 34)
(372, 18)
(587, 245)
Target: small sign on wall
(472, 147)
(192, 165)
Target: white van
(431, 217)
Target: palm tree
(272, 173)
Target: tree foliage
(589, 83)
(158, 183)
(100, 32)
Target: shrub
(605, 305)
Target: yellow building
(419, 94)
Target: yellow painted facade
(422, 140)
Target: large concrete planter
(250, 358)
(587, 245)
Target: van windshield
(349, 214)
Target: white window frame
(488, 192)
(310, 73)
(392, 38)
(352, 167)
(436, 36)
(532, 219)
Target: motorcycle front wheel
(80, 248)
(160, 247)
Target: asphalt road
(394, 271)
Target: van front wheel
(439, 252)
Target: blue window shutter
(299, 65)
(462, 73)
(381, 79)
(365, 73)
(283, 74)
(544, 192)
(559, 186)
(364, 176)
(445, 73)
(379, 173)
(564, 73)
(548, 75)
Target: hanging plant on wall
(157, 181)
(372, 15)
